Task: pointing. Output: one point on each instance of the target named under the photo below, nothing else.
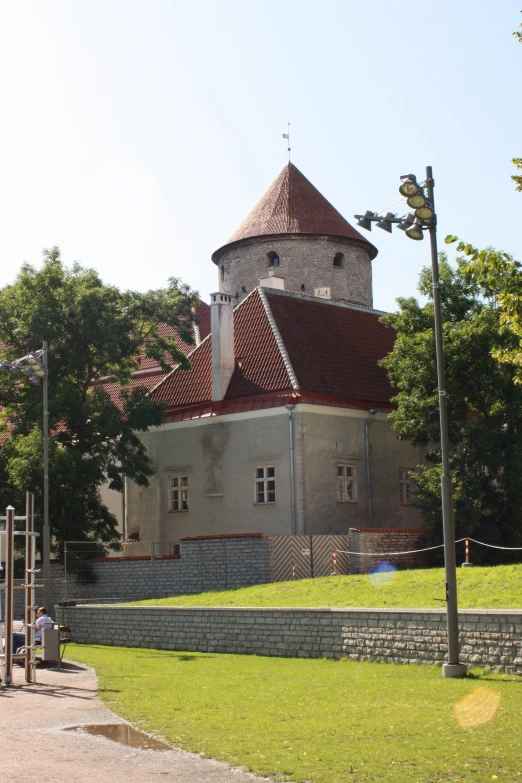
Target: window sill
(262, 505)
(181, 511)
(347, 502)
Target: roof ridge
(278, 338)
(337, 302)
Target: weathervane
(287, 136)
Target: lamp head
(33, 360)
(415, 231)
(16, 368)
(5, 366)
(364, 221)
(417, 199)
(425, 212)
(409, 185)
(407, 222)
(34, 380)
(386, 222)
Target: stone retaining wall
(489, 638)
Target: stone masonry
(304, 261)
(489, 638)
(382, 539)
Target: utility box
(50, 644)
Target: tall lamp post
(35, 367)
(414, 224)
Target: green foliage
(498, 587)
(324, 721)
(517, 178)
(94, 331)
(484, 403)
(517, 34)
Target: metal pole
(123, 513)
(372, 413)
(453, 668)
(46, 554)
(30, 578)
(8, 625)
(291, 456)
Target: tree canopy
(94, 331)
(484, 405)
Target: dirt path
(34, 748)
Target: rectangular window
(265, 484)
(346, 484)
(178, 493)
(405, 487)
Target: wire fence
(90, 573)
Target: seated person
(43, 621)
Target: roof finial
(287, 136)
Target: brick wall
(368, 539)
(489, 638)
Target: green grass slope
(498, 587)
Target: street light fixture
(34, 367)
(414, 228)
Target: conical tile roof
(292, 205)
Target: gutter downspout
(372, 413)
(291, 443)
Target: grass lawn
(316, 720)
(495, 587)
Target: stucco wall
(304, 261)
(489, 638)
(219, 457)
(331, 436)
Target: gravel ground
(34, 748)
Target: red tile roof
(292, 205)
(333, 348)
(327, 353)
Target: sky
(136, 136)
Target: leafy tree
(484, 408)
(499, 276)
(94, 331)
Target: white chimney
(222, 330)
(272, 281)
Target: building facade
(281, 425)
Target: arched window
(222, 272)
(338, 260)
(302, 286)
(273, 258)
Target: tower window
(222, 272)
(273, 258)
(338, 260)
(302, 286)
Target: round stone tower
(294, 238)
